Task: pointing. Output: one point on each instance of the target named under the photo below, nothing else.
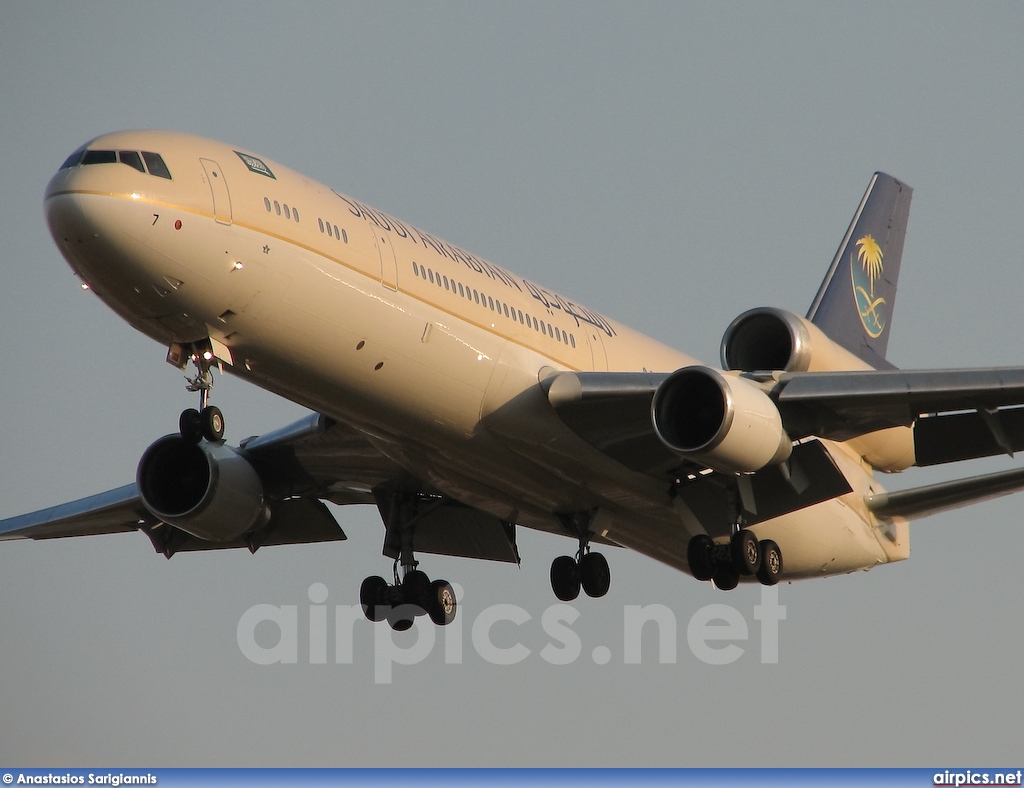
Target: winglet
(854, 305)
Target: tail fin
(854, 304)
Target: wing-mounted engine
(205, 489)
(774, 339)
(722, 421)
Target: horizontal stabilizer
(944, 496)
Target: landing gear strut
(208, 421)
(587, 570)
(412, 593)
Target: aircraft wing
(111, 512)
(946, 407)
(956, 414)
(945, 496)
(315, 458)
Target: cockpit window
(73, 159)
(155, 165)
(131, 158)
(99, 157)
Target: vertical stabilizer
(854, 305)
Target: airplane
(465, 401)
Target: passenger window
(132, 159)
(295, 214)
(318, 220)
(155, 165)
(287, 213)
(329, 230)
(99, 157)
(266, 204)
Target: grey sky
(669, 164)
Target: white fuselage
(433, 353)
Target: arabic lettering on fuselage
(548, 299)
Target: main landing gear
(743, 554)
(413, 593)
(208, 421)
(587, 570)
(410, 596)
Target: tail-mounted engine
(774, 339)
(205, 489)
(722, 421)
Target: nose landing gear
(208, 421)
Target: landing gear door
(218, 190)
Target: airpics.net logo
(716, 634)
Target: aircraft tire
(212, 423)
(416, 591)
(190, 425)
(443, 604)
(595, 576)
(565, 578)
(745, 551)
(698, 555)
(770, 570)
(726, 577)
(401, 617)
(370, 597)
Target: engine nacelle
(205, 489)
(774, 339)
(724, 422)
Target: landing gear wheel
(416, 591)
(745, 551)
(565, 578)
(371, 596)
(770, 570)
(190, 425)
(595, 576)
(698, 555)
(400, 617)
(726, 577)
(443, 604)
(212, 423)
